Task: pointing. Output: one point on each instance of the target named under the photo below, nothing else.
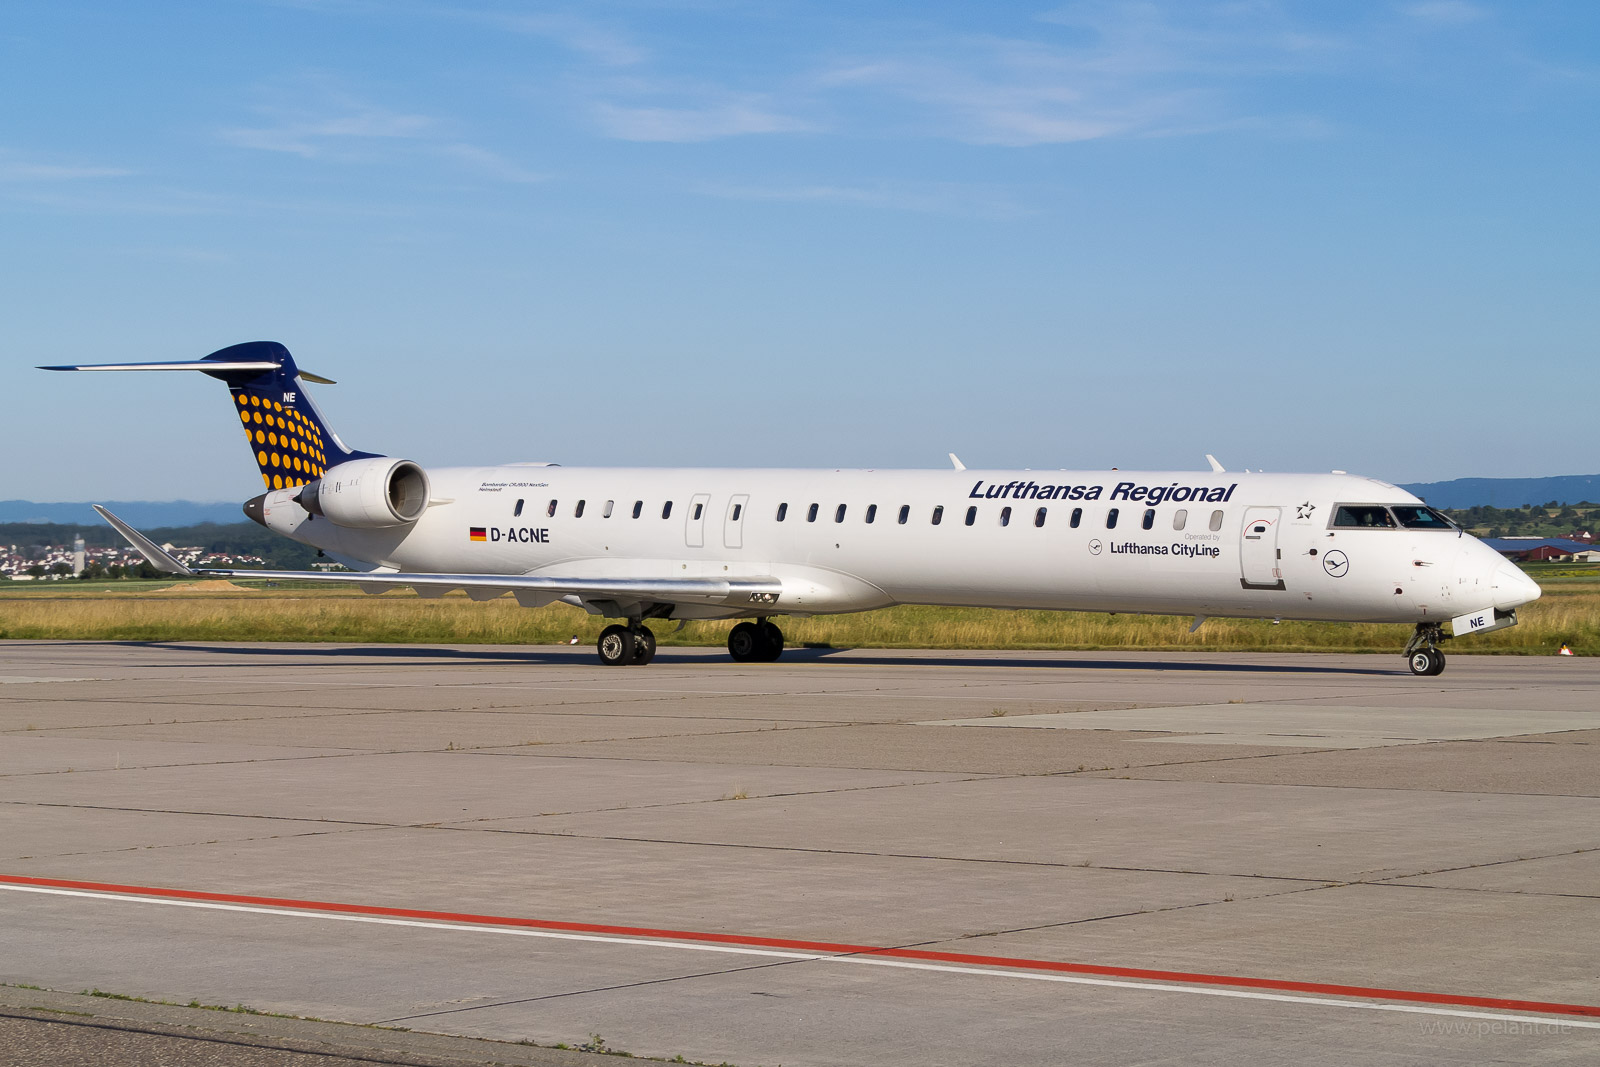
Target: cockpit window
(1363, 516)
(1413, 517)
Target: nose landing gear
(621, 646)
(1422, 651)
(755, 642)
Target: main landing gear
(621, 646)
(1422, 652)
(755, 642)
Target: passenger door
(1258, 549)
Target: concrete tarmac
(1074, 857)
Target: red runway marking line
(1017, 963)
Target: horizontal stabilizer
(187, 364)
(209, 366)
(154, 553)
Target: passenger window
(872, 513)
(905, 513)
(1111, 519)
(638, 508)
(666, 510)
(605, 512)
(1149, 518)
(516, 512)
(838, 516)
(972, 515)
(552, 509)
(1038, 517)
(1180, 518)
(1077, 517)
(737, 508)
(1216, 521)
(577, 512)
(698, 510)
(1363, 516)
(783, 511)
(938, 514)
(811, 513)
(1005, 516)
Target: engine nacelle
(368, 494)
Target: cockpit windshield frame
(1350, 516)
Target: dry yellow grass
(1567, 613)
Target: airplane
(637, 544)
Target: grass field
(146, 611)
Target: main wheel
(1426, 662)
(771, 641)
(744, 642)
(644, 646)
(616, 646)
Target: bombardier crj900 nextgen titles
(636, 543)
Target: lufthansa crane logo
(1336, 563)
(1094, 548)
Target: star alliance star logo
(1303, 511)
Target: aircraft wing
(740, 592)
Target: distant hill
(1508, 492)
(137, 512)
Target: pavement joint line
(1135, 978)
(208, 814)
(641, 984)
(467, 827)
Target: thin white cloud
(689, 124)
(351, 122)
(490, 164)
(16, 169)
(1094, 70)
(583, 35)
(318, 122)
(926, 198)
(1445, 12)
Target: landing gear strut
(1422, 651)
(755, 642)
(620, 646)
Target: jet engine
(367, 494)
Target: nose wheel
(755, 642)
(1422, 652)
(621, 646)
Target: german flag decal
(477, 533)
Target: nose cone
(1512, 588)
(255, 508)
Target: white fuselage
(1213, 544)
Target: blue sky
(1301, 236)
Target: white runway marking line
(870, 961)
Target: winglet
(1216, 468)
(956, 462)
(158, 557)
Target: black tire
(744, 643)
(771, 641)
(616, 646)
(644, 646)
(1426, 662)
